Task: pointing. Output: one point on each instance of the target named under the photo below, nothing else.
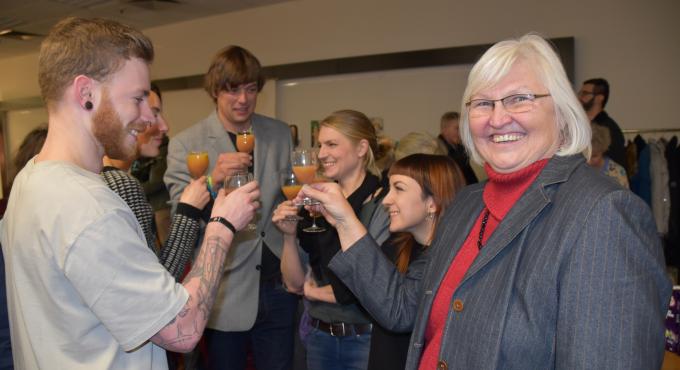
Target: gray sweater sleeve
(389, 296)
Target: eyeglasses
(516, 103)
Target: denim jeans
(270, 340)
(326, 352)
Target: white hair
(571, 119)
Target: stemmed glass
(314, 228)
(236, 181)
(290, 186)
(197, 164)
(245, 141)
(304, 166)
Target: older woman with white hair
(547, 264)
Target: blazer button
(442, 365)
(262, 234)
(258, 267)
(458, 305)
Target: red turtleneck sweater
(500, 193)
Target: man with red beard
(84, 291)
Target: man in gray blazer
(252, 309)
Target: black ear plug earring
(88, 105)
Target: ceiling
(30, 20)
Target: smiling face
(235, 105)
(408, 207)
(338, 155)
(149, 141)
(123, 110)
(511, 141)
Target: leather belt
(341, 329)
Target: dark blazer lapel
(452, 230)
(530, 204)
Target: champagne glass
(236, 181)
(197, 163)
(304, 166)
(245, 141)
(290, 186)
(314, 228)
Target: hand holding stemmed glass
(236, 181)
(337, 211)
(239, 206)
(286, 214)
(314, 207)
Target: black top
(321, 247)
(388, 348)
(459, 155)
(617, 150)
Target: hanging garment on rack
(672, 240)
(660, 197)
(641, 183)
(631, 159)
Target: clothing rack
(650, 130)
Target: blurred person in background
(594, 95)
(449, 135)
(599, 160)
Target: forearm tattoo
(208, 269)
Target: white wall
(407, 100)
(19, 124)
(633, 43)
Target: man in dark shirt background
(450, 136)
(594, 95)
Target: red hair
(438, 177)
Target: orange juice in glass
(306, 174)
(291, 191)
(304, 163)
(197, 163)
(245, 141)
(290, 187)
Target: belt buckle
(342, 325)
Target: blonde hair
(418, 142)
(356, 126)
(496, 63)
(601, 138)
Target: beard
(111, 132)
(588, 104)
